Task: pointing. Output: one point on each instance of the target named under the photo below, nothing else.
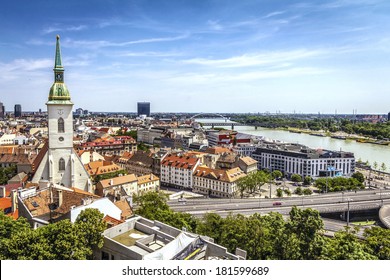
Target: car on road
(277, 203)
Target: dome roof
(59, 91)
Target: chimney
(111, 182)
(60, 198)
(14, 200)
(151, 177)
(2, 191)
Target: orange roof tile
(125, 207)
(183, 162)
(230, 175)
(5, 202)
(111, 221)
(118, 180)
(147, 178)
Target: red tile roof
(111, 221)
(5, 202)
(183, 162)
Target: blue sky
(200, 56)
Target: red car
(277, 203)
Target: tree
(59, 241)
(296, 178)
(153, 206)
(307, 192)
(252, 182)
(307, 181)
(358, 176)
(377, 242)
(150, 203)
(346, 246)
(90, 226)
(233, 232)
(65, 241)
(308, 227)
(276, 174)
(287, 192)
(279, 192)
(383, 167)
(7, 173)
(211, 225)
(375, 165)
(298, 191)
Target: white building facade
(217, 182)
(297, 159)
(176, 171)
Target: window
(61, 125)
(61, 165)
(105, 256)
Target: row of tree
(271, 236)
(375, 130)
(59, 241)
(337, 184)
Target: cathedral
(60, 164)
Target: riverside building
(298, 159)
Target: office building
(143, 108)
(292, 158)
(18, 111)
(2, 110)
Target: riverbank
(338, 135)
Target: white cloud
(274, 14)
(64, 28)
(194, 78)
(214, 25)
(256, 59)
(104, 43)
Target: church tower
(61, 165)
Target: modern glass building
(18, 111)
(143, 108)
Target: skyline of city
(206, 57)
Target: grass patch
(364, 223)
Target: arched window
(61, 125)
(61, 165)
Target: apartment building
(177, 170)
(217, 182)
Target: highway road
(331, 202)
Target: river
(364, 151)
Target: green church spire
(59, 93)
(58, 60)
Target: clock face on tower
(59, 77)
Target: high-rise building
(18, 111)
(61, 165)
(388, 116)
(143, 108)
(2, 110)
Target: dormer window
(61, 125)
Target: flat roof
(129, 237)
